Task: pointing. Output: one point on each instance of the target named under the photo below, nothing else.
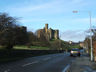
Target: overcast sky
(57, 13)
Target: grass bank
(31, 47)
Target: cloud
(77, 1)
(50, 7)
(76, 35)
(30, 8)
(85, 19)
(82, 21)
(32, 20)
(25, 9)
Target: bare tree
(7, 24)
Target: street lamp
(89, 12)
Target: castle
(48, 33)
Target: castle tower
(50, 33)
(56, 35)
(46, 28)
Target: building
(48, 33)
(81, 44)
(94, 50)
(70, 42)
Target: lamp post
(89, 12)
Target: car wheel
(79, 55)
(71, 55)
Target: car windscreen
(75, 49)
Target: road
(45, 63)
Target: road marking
(30, 63)
(7, 70)
(66, 68)
(47, 58)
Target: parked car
(75, 52)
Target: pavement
(82, 64)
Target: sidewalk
(83, 64)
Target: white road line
(7, 70)
(47, 58)
(66, 68)
(30, 63)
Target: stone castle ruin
(48, 33)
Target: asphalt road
(45, 63)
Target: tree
(55, 45)
(20, 35)
(7, 25)
(31, 38)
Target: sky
(34, 14)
